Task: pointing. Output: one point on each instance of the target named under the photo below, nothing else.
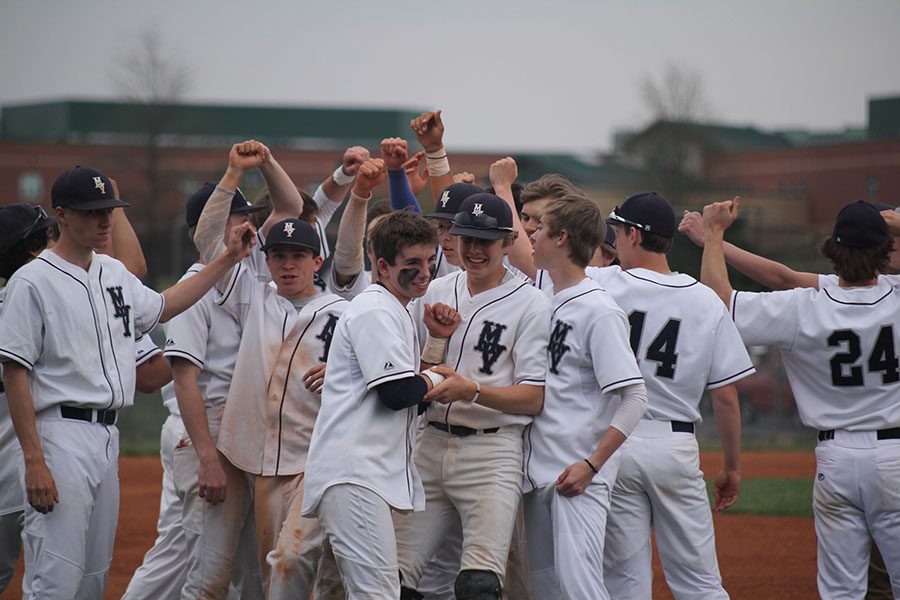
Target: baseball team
(502, 406)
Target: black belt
(91, 415)
(882, 434)
(682, 427)
(460, 430)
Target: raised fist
(354, 157)
(719, 216)
(692, 226)
(248, 155)
(240, 241)
(463, 177)
(429, 130)
(417, 176)
(371, 173)
(394, 151)
(504, 173)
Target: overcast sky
(521, 75)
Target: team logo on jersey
(98, 184)
(445, 198)
(489, 344)
(477, 210)
(289, 229)
(388, 366)
(326, 334)
(123, 311)
(557, 347)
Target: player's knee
(477, 585)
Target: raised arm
(286, 200)
(394, 153)
(717, 217)
(330, 193)
(768, 272)
(503, 175)
(124, 244)
(429, 130)
(349, 251)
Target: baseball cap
(293, 232)
(483, 216)
(610, 238)
(84, 188)
(195, 204)
(18, 221)
(451, 198)
(859, 225)
(648, 211)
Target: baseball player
(594, 398)
(839, 349)
(360, 466)
(684, 342)
(68, 367)
(470, 454)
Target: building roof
(715, 137)
(86, 121)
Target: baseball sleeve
(21, 338)
(766, 318)
(383, 352)
(529, 350)
(611, 355)
(145, 349)
(730, 361)
(187, 334)
(147, 306)
(237, 296)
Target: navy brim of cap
(441, 215)
(97, 205)
(479, 232)
(248, 209)
(267, 247)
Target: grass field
(773, 497)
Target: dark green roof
(81, 120)
(582, 173)
(721, 138)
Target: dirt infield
(760, 557)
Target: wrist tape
(437, 162)
(434, 350)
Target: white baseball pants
(660, 482)
(856, 498)
(570, 568)
(359, 527)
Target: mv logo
(123, 311)
(557, 347)
(489, 345)
(326, 334)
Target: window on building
(31, 187)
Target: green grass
(773, 497)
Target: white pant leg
(293, 558)
(884, 516)
(68, 551)
(421, 535)
(328, 579)
(11, 525)
(161, 575)
(358, 524)
(842, 530)
(213, 532)
(572, 567)
(627, 557)
(246, 581)
(439, 576)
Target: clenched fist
(370, 175)
(429, 130)
(247, 155)
(353, 159)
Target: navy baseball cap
(648, 211)
(18, 221)
(195, 204)
(483, 216)
(293, 232)
(860, 225)
(451, 198)
(84, 188)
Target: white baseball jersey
(208, 337)
(682, 336)
(56, 302)
(442, 267)
(356, 438)
(269, 416)
(350, 291)
(501, 341)
(839, 347)
(12, 497)
(588, 356)
(543, 282)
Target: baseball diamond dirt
(759, 556)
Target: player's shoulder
(329, 301)
(446, 283)
(587, 301)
